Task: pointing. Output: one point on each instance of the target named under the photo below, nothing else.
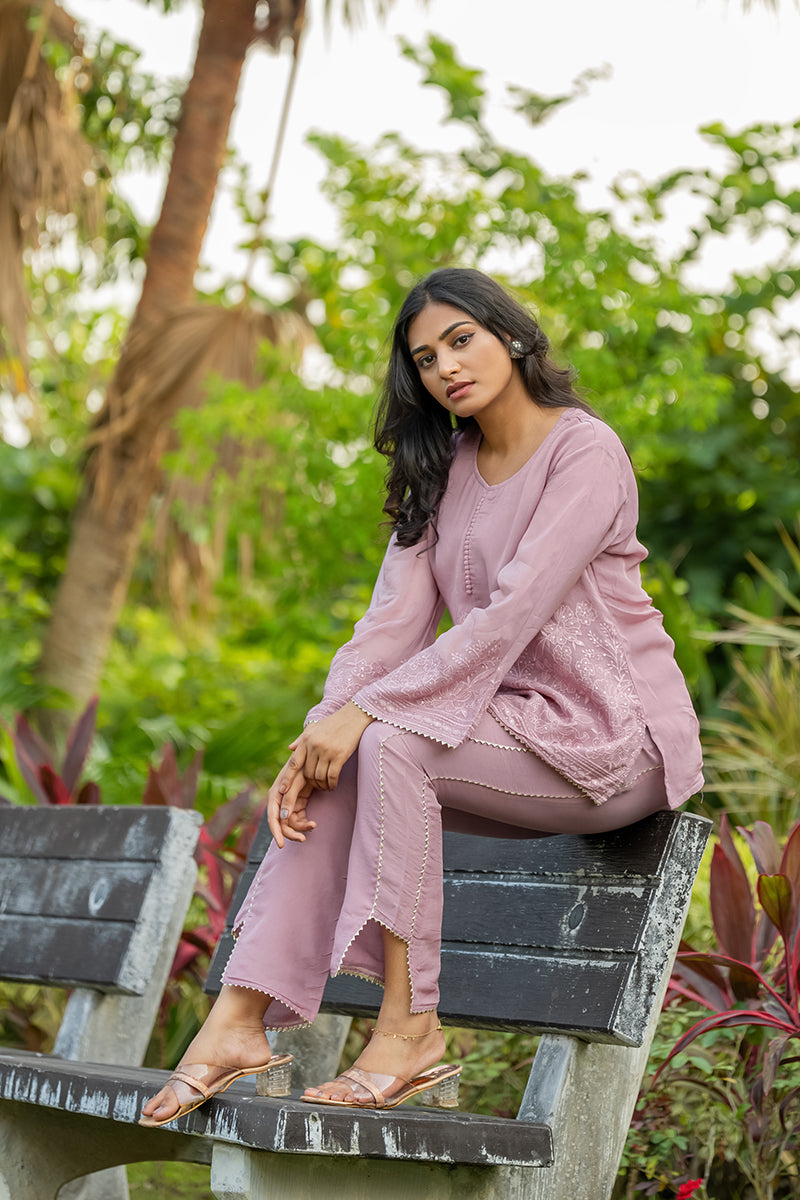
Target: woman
(552, 705)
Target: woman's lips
(459, 391)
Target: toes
(164, 1105)
(155, 1104)
(333, 1091)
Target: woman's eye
(425, 361)
(462, 339)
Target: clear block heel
(445, 1093)
(276, 1081)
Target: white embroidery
(571, 697)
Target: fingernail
(284, 813)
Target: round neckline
(494, 486)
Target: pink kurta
(552, 633)
(553, 705)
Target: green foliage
(36, 493)
(748, 987)
(279, 489)
(290, 509)
(670, 368)
(752, 757)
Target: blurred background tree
(261, 535)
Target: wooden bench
(92, 899)
(572, 937)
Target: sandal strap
(197, 1084)
(356, 1075)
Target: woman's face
(464, 367)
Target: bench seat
(569, 937)
(241, 1118)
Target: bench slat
(635, 852)
(63, 868)
(107, 891)
(530, 993)
(525, 913)
(118, 835)
(519, 912)
(238, 1116)
(34, 952)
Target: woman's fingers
(282, 800)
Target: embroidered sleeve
(401, 620)
(444, 688)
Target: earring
(516, 348)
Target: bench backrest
(561, 934)
(84, 892)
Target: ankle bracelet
(407, 1037)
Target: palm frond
(282, 19)
(44, 160)
(164, 368)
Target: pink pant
(375, 858)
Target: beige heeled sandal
(440, 1083)
(209, 1081)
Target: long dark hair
(413, 431)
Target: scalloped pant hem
(374, 860)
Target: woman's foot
(397, 1052)
(232, 1036)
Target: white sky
(676, 64)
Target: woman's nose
(448, 363)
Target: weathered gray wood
(286, 1125)
(105, 1028)
(64, 889)
(125, 833)
(83, 851)
(574, 994)
(602, 917)
(536, 913)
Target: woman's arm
(402, 618)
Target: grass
(169, 1181)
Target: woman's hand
(318, 755)
(287, 817)
(324, 747)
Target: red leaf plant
(48, 783)
(752, 980)
(746, 983)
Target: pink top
(552, 630)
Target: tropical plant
(171, 344)
(753, 759)
(750, 983)
(29, 762)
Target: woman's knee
(381, 742)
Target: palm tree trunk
(122, 470)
